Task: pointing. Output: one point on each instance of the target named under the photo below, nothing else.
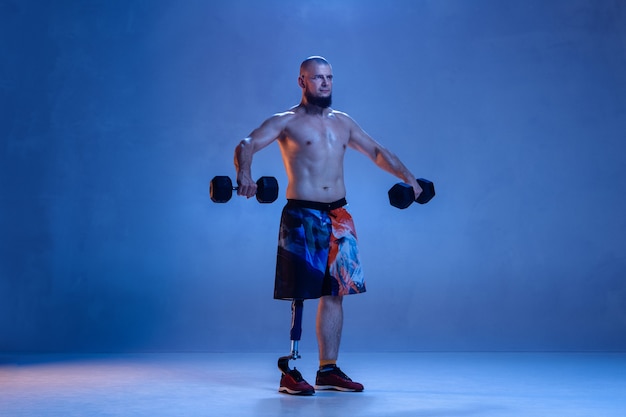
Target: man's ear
(301, 81)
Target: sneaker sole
(335, 388)
(286, 390)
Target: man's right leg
(291, 381)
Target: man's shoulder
(279, 119)
(343, 117)
(283, 115)
(341, 114)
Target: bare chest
(318, 133)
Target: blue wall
(116, 114)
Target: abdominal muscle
(323, 192)
(320, 181)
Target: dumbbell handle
(222, 187)
(402, 195)
(236, 188)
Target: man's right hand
(246, 186)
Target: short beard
(323, 102)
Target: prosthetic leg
(291, 381)
(296, 333)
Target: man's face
(317, 82)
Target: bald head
(312, 60)
(316, 81)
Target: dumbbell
(402, 195)
(221, 189)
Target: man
(317, 253)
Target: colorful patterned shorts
(317, 252)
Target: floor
(243, 384)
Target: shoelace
(342, 375)
(296, 375)
(335, 370)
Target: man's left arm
(381, 156)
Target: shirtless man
(317, 251)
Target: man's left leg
(329, 328)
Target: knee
(332, 301)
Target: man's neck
(313, 109)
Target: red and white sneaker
(334, 379)
(293, 383)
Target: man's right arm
(260, 137)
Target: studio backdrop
(115, 115)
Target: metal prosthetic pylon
(296, 333)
